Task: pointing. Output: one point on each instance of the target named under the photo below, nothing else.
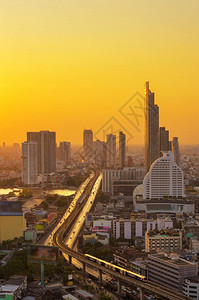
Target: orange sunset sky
(68, 65)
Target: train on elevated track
(116, 268)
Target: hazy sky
(66, 65)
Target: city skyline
(65, 64)
(99, 150)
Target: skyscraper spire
(151, 128)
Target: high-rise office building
(88, 146)
(164, 143)
(29, 163)
(100, 153)
(46, 150)
(176, 150)
(122, 150)
(151, 128)
(111, 151)
(165, 178)
(64, 151)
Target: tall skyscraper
(165, 178)
(176, 150)
(100, 153)
(46, 150)
(111, 151)
(29, 163)
(64, 151)
(88, 146)
(122, 149)
(164, 142)
(151, 128)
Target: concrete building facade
(162, 242)
(111, 150)
(46, 150)
(170, 270)
(29, 163)
(164, 178)
(88, 146)
(122, 150)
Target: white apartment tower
(29, 163)
(165, 178)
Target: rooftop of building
(173, 259)
(16, 280)
(194, 279)
(179, 200)
(163, 233)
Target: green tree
(25, 194)
(103, 296)
(101, 197)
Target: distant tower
(152, 151)
(111, 151)
(122, 149)
(46, 150)
(99, 153)
(65, 151)
(164, 143)
(29, 163)
(176, 151)
(88, 146)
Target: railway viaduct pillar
(70, 259)
(119, 286)
(142, 294)
(84, 267)
(100, 276)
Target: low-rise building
(94, 237)
(101, 223)
(30, 234)
(139, 267)
(168, 205)
(191, 287)
(161, 242)
(12, 289)
(170, 270)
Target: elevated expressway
(65, 236)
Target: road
(48, 239)
(75, 229)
